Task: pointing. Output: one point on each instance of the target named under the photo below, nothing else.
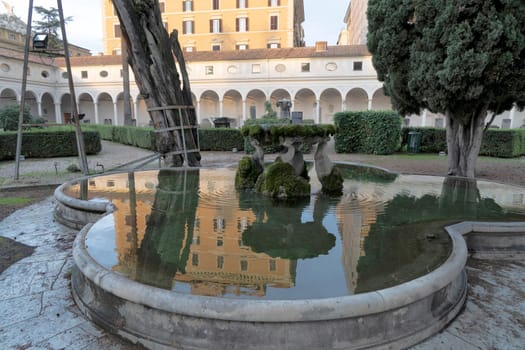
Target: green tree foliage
(462, 58)
(50, 24)
(9, 117)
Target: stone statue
(9, 8)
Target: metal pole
(24, 85)
(74, 108)
(125, 80)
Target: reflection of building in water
(354, 226)
(218, 263)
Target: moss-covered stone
(247, 173)
(332, 184)
(279, 181)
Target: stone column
(58, 113)
(39, 108)
(243, 111)
(95, 107)
(424, 118)
(369, 105)
(115, 113)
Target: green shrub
(503, 143)
(506, 143)
(210, 139)
(372, 132)
(9, 116)
(433, 140)
(220, 139)
(44, 143)
(141, 137)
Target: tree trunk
(464, 143)
(152, 57)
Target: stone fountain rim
(247, 310)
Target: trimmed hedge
(372, 132)
(502, 143)
(506, 143)
(141, 137)
(46, 143)
(220, 139)
(210, 139)
(433, 140)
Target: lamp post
(23, 97)
(40, 42)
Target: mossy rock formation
(280, 181)
(247, 174)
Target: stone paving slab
(38, 312)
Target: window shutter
(247, 22)
(237, 24)
(220, 25)
(184, 27)
(211, 25)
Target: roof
(16, 54)
(252, 54)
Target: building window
(273, 265)
(118, 32)
(219, 224)
(189, 49)
(242, 4)
(187, 27)
(274, 22)
(215, 25)
(104, 73)
(12, 36)
(208, 70)
(44, 74)
(187, 6)
(220, 242)
(358, 65)
(84, 74)
(274, 3)
(242, 46)
(216, 47)
(273, 45)
(215, 4)
(305, 67)
(195, 259)
(162, 7)
(242, 24)
(256, 68)
(244, 265)
(220, 262)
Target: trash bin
(414, 142)
(222, 122)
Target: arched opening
(255, 104)
(48, 109)
(381, 102)
(86, 106)
(305, 102)
(142, 115)
(65, 107)
(209, 105)
(121, 110)
(356, 100)
(106, 113)
(330, 103)
(279, 95)
(232, 106)
(8, 97)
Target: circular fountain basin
(377, 306)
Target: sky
(323, 20)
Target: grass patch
(14, 201)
